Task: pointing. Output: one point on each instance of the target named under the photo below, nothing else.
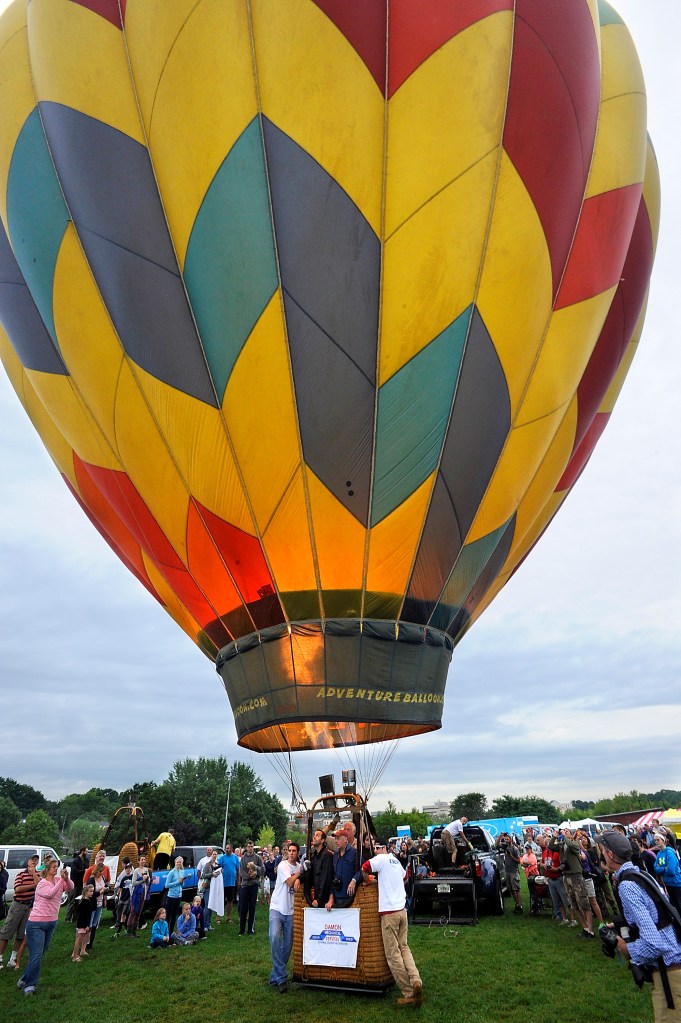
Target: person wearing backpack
(654, 943)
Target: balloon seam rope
(466, 341)
(294, 399)
(379, 324)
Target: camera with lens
(336, 884)
(640, 974)
(608, 936)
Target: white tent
(586, 822)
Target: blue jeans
(281, 943)
(38, 937)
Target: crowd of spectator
(564, 867)
(565, 871)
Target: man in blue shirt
(654, 943)
(229, 862)
(346, 876)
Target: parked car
(15, 858)
(453, 891)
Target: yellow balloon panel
(620, 154)
(259, 398)
(175, 430)
(520, 459)
(193, 112)
(570, 340)
(87, 340)
(394, 541)
(63, 36)
(515, 315)
(287, 545)
(17, 98)
(315, 88)
(149, 463)
(431, 266)
(73, 420)
(339, 540)
(432, 141)
(531, 515)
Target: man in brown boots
(391, 909)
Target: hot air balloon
(320, 307)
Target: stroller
(540, 897)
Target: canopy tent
(672, 820)
(583, 823)
(647, 819)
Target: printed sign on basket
(331, 939)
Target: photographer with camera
(571, 866)
(649, 935)
(512, 866)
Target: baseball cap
(617, 844)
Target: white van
(16, 857)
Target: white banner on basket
(331, 939)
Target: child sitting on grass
(159, 932)
(185, 932)
(197, 913)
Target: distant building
(439, 810)
(563, 807)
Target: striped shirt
(24, 887)
(640, 909)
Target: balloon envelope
(320, 313)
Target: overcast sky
(567, 687)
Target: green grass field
(507, 968)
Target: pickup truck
(451, 892)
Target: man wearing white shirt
(281, 918)
(391, 909)
(452, 834)
(204, 860)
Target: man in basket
(391, 908)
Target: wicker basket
(371, 973)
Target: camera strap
(664, 979)
(667, 914)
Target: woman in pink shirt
(42, 921)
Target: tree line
(475, 806)
(192, 801)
